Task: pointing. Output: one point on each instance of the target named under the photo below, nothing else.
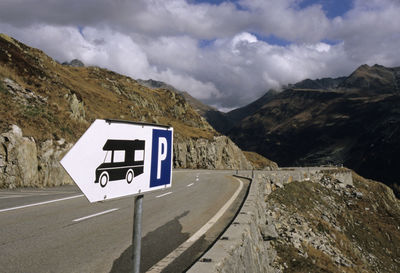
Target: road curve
(58, 230)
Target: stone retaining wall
(244, 246)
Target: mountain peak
(74, 63)
(323, 84)
(154, 84)
(376, 78)
(8, 38)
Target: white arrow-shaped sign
(117, 158)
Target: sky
(224, 53)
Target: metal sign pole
(137, 233)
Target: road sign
(115, 158)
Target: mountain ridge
(356, 124)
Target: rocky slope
(356, 123)
(259, 162)
(324, 83)
(46, 106)
(236, 116)
(218, 120)
(326, 226)
(310, 220)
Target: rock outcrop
(77, 107)
(219, 153)
(25, 163)
(18, 159)
(74, 63)
(51, 173)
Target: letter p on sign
(161, 158)
(162, 154)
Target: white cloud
(115, 51)
(370, 32)
(285, 19)
(241, 40)
(198, 89)
(180, 52)
(162, 40)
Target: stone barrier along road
(245, 245)
(242, 248)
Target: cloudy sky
(225, 53)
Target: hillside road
(58, 230)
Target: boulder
(77, 108)
(218, 153)
(51, 172)
(26, 163)
(18, 159)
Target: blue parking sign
(161, 158)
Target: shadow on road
(155, 245)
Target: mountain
(200, 107)
(220, 121)
(217, 119)
(324, 83)
(376, 79)
(153, 84)
(45, 107)
(223, 122)
(356, 123)
(74, 63)
(238, 114)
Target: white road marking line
(44, 192)
(34, 193)
(190, 185)
(11, 196)
(30, 194)
(164, 194)
(41, 203)
(94, 215)
(189, 242)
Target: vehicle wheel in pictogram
(103, 179)
(129, 176)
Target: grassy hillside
(49, 100)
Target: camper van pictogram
(124, 160)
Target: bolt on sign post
(115, 158)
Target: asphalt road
(58, 230)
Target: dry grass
(104, 94)
(259, 162)
(369, 226)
